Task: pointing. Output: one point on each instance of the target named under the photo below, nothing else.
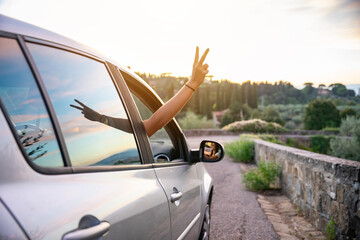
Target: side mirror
(211, 151)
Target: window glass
(21, 97)
(161, 144)
(68, 76)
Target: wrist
(192, 85)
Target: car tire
(205, 229)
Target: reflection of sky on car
(20, 95)
(68, 76)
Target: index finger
(81, 104)
(203, 57)
(196, 55)
(76, 107)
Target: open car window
(162, 146)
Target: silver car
(63, 176)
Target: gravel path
(236, 214)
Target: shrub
(227, 118)
(346, 147)
(347, 112)
(320, 114)
(271, 115)
(242, 150)
(297, 119)
(256, 114)
(285, 116)
(260, 178)
(255, 126)
(331, 129)
(330, 230)
(290, 125)
(320, 144)
(193, 121)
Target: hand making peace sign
(199, 70)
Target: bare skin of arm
(166, 112)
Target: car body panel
(185, 179)
(48, 206)
(136, 202)
(9, 228)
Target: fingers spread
(203, 56)
(205, 66)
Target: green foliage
(330, 230)
(227, 118)
(333, 129)
(260, 178)
(256, 114)
(271, 115)
(320, 144)
(193, 121)
(290, 125)
(254, 126)
(320, 114)
(347, 112)
(346, 147)
(246, 112)
(297, 119)
(242, 150)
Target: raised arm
(166, 112)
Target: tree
(320, 114)
(347, 112)
(252, 97)
(339, 89)
(271, 115)
(227, 118)
(345, 147)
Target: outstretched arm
(92, 115)
(166, 112)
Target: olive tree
(320, 114)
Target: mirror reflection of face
(212, 151)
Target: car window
(161, 144)
(68, 76)
(21, 97)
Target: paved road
(236, 214)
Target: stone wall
(323, 187)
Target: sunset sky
(270, 40)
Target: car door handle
(175, 196)
(88, 233)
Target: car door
(178, 177)
(72, 176)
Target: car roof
(11, 25)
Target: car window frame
(123, 93)
(172, 128)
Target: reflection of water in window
(23, 102)
(69, 76)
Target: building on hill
(217, 116)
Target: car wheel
(205, 230)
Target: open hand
(199, 70)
